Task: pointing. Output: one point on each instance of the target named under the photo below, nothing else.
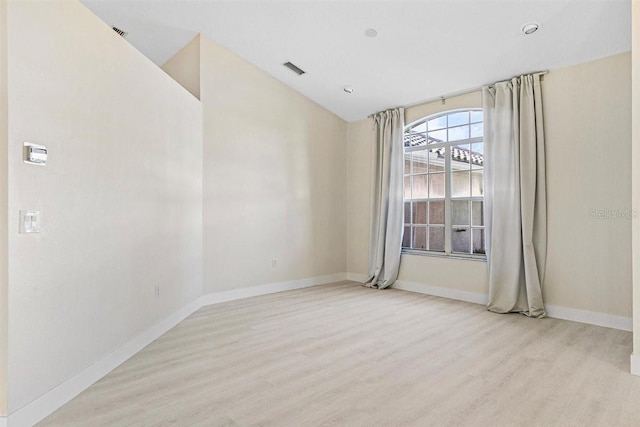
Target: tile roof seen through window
(412, 139)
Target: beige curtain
(387, 209)
(515, 195)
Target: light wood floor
(346, 355)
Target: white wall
(588, 138)
(3, 209)
(120, 196)
(274, 178)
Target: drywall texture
(120, 196)
(3, 209)
(274, 178)
(635, 66)
(184, 67)
(588, 139)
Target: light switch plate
(30, 221)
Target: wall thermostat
(35, 154)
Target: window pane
(461, 240)
(419, 238)
(436, 160)
(460, 184)
(407, 163)
(478, 241)
(406, 237)
(420, 212)
(419, 187)
(460, 157)
(461, 132)
(461, 118)
(436, 239)
(460, 212)
(407, 212)
(407, 187)
(477, 182)
(438, 123)
(476, 130)
(436, 165)
(476, 116)
(420, 161)
(436, 212)
(414, 139)
(438, 136)
(477, 213)
(419, 128)
(477, 155)
(436, 185)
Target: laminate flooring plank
(345, 355)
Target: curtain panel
(515, 195)
(387, 208)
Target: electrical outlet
(274, 263)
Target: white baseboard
(49, 402)
(438, 291)
(635, 365)
(269, 288)
(46, 404)
(557, 312)
(590, 317)
(355, 277)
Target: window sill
(480, 258)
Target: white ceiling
(424, 49)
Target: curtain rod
(464, 92)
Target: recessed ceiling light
(529, 28)
(370, 32)
(348, 89)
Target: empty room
(319, 213)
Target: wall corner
(3, 212)
(635, 176)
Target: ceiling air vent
(122, 34)
(293, 68)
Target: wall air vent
(293, 68)
(122, 34)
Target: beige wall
(3, 209)
(274, 178)
(360, 158)
(184, 67)
(636, 177)
(588, 134)
(120, 196)
(588, 127)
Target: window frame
(448, 226)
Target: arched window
(444, 184)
